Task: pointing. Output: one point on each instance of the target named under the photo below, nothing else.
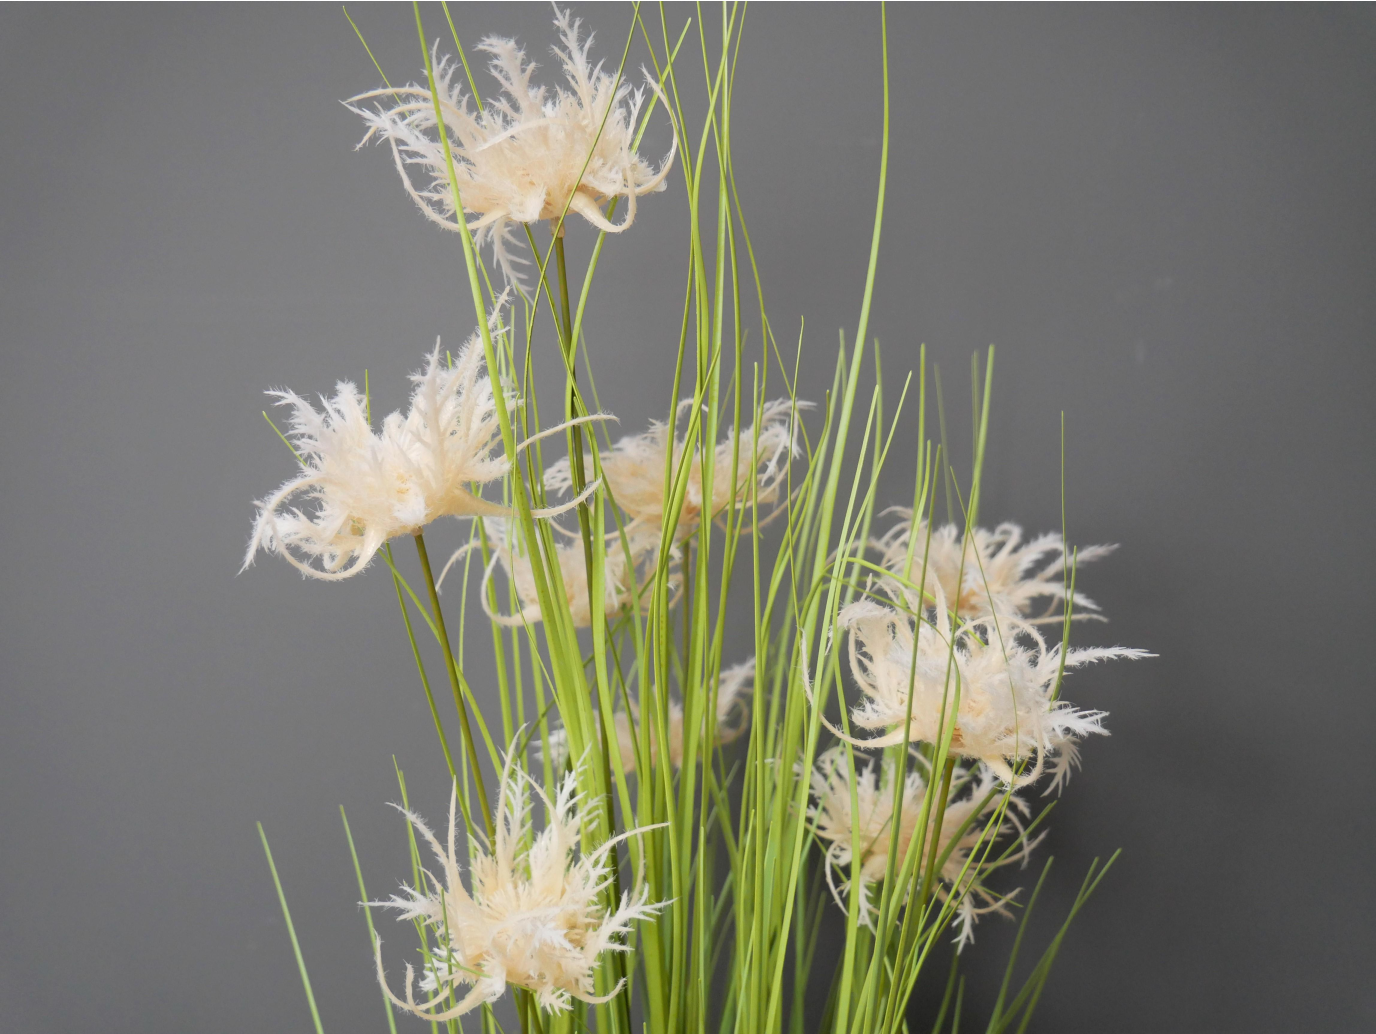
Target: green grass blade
(946, 998)
(995, 1023)
(367, 915)
(291, 932)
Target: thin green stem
(420, 664)
(367, 915)
(291, 932)
(945, 792)
(453, 671)
(577, 463)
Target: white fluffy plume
(1009, 715)
(618, 590)
(527, 153)
(634, 470)
(963, 829)
(987, 573)
(532, 915)
(732, 719)
(369, 487)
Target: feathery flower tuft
(531, 916)
(1009, 713)
(618, 592)
(733, 717)
(525, 155)
(369, 487)
(634, 470)
(963, 829)
(1001, 576)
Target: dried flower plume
(532, 915)
(732, 711)
(618, 591)
(634, 470)
(987, 573)
(974, 800)
(1009, 716)
(525, 155)
(369, 487)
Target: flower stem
(576, 460)
(578, 471)
(453, 671)
(935, 835)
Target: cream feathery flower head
(733, 718)
(963, 829)
(370, 487)
(531, 916)
(989, 573)
(634, 470)
(526, 155)
(1008, 715)
(618, 591)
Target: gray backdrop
(1162, 217)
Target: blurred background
(1161, 216)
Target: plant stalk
(577, 465)
(577, 468)
(935, 835)
(453, 671)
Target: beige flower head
(733, 718)
(1008, 717)
(634, 470)
(963, 830)
(618, 593)
(369, 487)
(989, 573)
(525, 155)
(532, 915)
